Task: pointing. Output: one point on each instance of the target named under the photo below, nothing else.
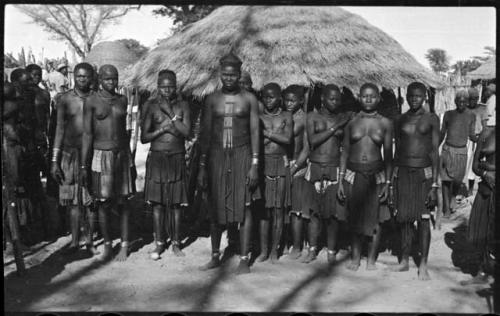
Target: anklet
(331, 251)
(245, 258)
(159, 243)
(216, 253)
(124, 243)
(107, 242)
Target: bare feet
(401, 267)
(71, 250)
(243, 267)
(353, 265)
(423, 274)
(262, 257)
(370, 266)
(480, 278)
(107, 253)
(123, 254)
(212, 264)
(155, 254)
(274, 256)
(294, 254)
(330, 256)
(177, 251)
(311, 255)
(91, 249)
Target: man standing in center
(229, 159)
(166, 125)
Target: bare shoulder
(432, 117)
(250, 97)
(386, 122)
(184, 105)
(287, 115)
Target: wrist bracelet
(255, 155)
(55, 154)
(255, 161)
(175, 118)
(83, 167)
(388, 182)
(202, 164)
(484, 173)
(435, 185)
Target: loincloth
(411, 187)
(229, 194)
(68, 190)
(453, 163)
(112, 174)
(324, 178)
(165, 181)
(363, 183)
(277, 182)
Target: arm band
(55, 154)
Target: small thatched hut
(287, 44)
(115, 53)
(486, 71)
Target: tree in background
(438, 60)
(183, 15)
(462, 67)
(135, 46)
(79, 25)
(489, 51)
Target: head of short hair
(85, 66)
(272, 86)
(105, 67)
(369, 85)
(31, 67)
(16, 74)
(417, 86)
(167, 74)
(492, 87)
(296, 90)
(473, 92)
(462, 93)
(328, 88)
(230, 60)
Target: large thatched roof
(115, 53)
(486, 71)
(286, 44)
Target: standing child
(325, 131)
(277, 132)
(298, 151)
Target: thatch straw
(115, 53)
(285, 44)
(486, 71)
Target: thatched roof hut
(286, 44)
(486, 71)
(112, 52)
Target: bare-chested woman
(229, 141)
(105, 148)
(66, 157)
(415, 175)
(277, 129)
(365, 171)
(325, 132)
(166, 125)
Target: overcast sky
(461, 31)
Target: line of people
(324, 168)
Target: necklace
(274, 114)
(368, 115)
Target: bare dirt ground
(79, 283)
